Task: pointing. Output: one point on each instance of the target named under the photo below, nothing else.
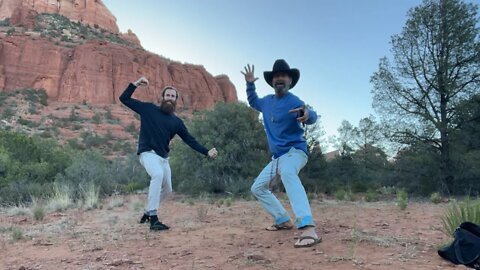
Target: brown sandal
(316, 240)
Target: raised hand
(249, 76)
(141, 82)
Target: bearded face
(281, 83)
(169, 102)
(168, 106)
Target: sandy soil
(212, 236)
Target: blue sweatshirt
(282, 128)
(157, 128)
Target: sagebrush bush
(235, 130)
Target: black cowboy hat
(281, 66)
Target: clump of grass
(402, 199)
(38, 210)
(202, 211)
(91, 195)
(18, 211)
(343, 195)
(436, 198)
(228, 201)
(371, 195)
(116, 202)
(137, 206)
(17, 234)
(61, 199)
(457, 213)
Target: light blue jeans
(161, 180)
(288, 166)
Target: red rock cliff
(97, 72)
(91, 12)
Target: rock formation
(91, 12)
(94, 71)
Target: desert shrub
(97, 118)
(5, 22)
(131, 128)
(30, 159)
(458, 212)
(371, 195)
(435, 197)
(88, 166)
(402, 199)
(238, 135)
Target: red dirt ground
(356, 235)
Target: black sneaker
(156, 225)
(144, 218)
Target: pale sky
(336, 44)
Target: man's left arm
(190, 141)
(312, 115)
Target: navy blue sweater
(157, 128)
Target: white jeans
(287, 166)
(161, 179)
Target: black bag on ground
(465, 248)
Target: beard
(281, 87)
(168, 106)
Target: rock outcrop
(97, 72)
(94, 71)
(91, 12)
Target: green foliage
(88, 167)
(402, 199)
(29, 159)
(38, 211)
(97, 118)
(8, 112)
(340, 194)
(416, 94)
(90, 194)
(34, 96)
(416, 170)
(17, 234)
(10, 31)
(436, 198)
(35, 167)
(60, 27)
(92, 139)
(469, 210)
(131, 128)
(234, 129)
(371, 195)
(314, 175)
(5, 22)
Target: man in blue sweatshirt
(283, 117)
(158, 125)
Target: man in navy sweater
(158, 125)
(283, 117)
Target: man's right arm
(253, 100)
(126, 98)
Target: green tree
(372, 167)
(466, 146)
(416, 169)
(345, 140)
(238, 135)
(435, 67)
